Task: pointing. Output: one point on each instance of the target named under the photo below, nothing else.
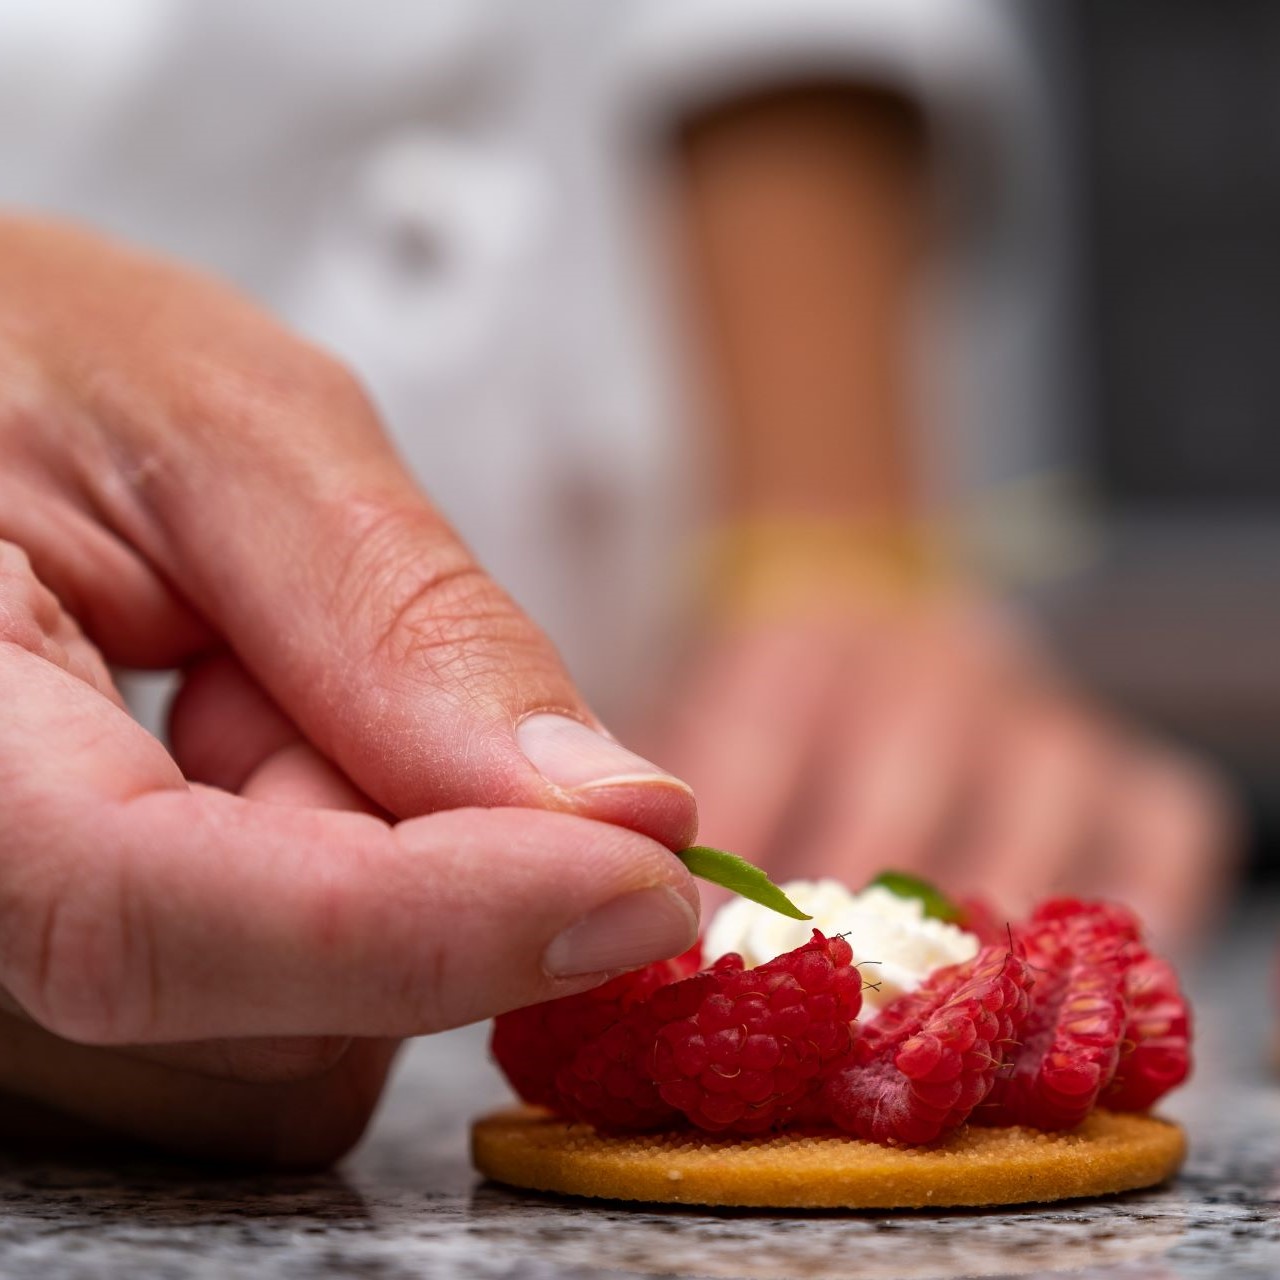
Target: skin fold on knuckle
(37, 426)
(241, 398)
(24, 615)
(423, 604)
(32, 619)
(369, 932)
(77, 957)
(224, 393)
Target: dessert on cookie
(906, 1053)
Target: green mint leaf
(937, 906)
(737, 874)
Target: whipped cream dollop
(895, 942)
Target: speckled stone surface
(407, 1204)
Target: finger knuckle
(424, 985)
(28, 406)
(412, 960)
(14, 561)
(247, 400)
(441, 611)
(77, 961)
(23, 611)
(456, 620)
(312, 381)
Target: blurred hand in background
(852, 700)
(938, 739)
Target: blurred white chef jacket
(462, 198)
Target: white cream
(892, 939)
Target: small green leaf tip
(937, 906)
(737, 874)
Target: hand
(189, 942)
(937, 739)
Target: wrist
(788, 566)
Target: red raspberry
(921, 1067)
(1151, 1028)
(531, 1045)
(1157, 1037)
(608, 1081)
(1070, 1041)
(749, 1047)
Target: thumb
(407, 665)
(252, 472)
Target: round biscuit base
(528, 1148)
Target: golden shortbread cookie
(1110, 1152)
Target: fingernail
(650, 924)
(575, 757)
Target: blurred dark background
(1173, 110)
(1181, 129)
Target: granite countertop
(406, 1204)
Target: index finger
(135, 909)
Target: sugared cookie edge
(976, 1167)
